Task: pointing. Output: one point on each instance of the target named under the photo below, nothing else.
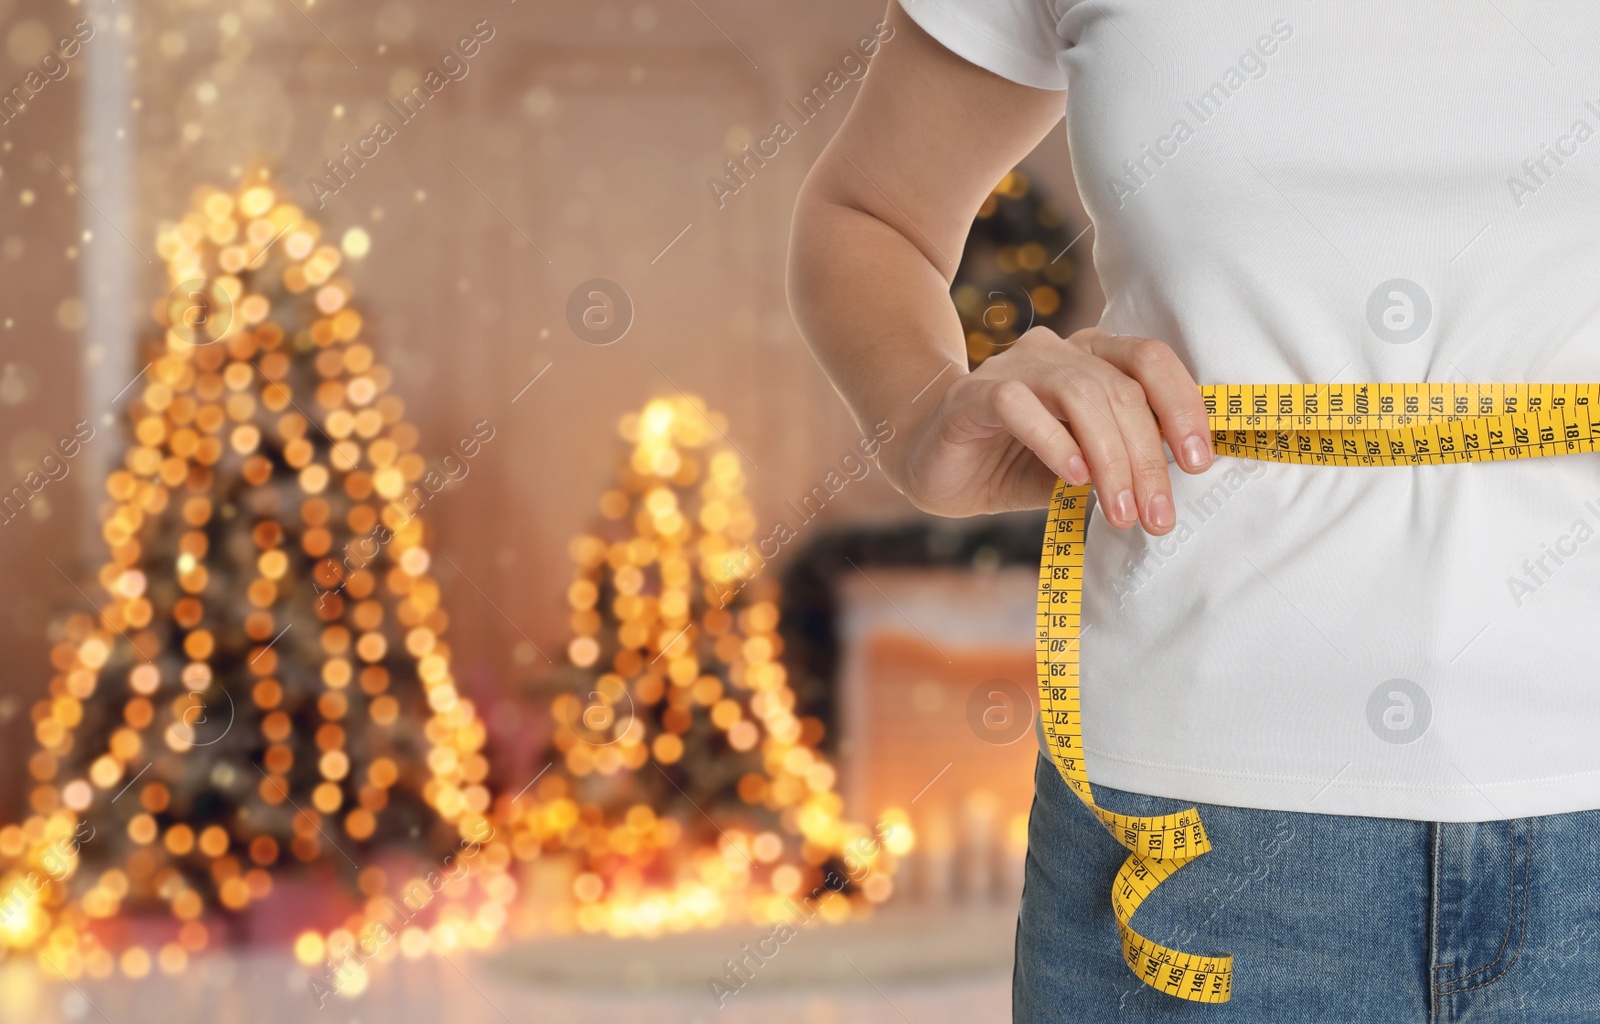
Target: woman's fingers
(1095, 407)
(1081, 396)
(1012, 406)
(1120, 396)
(1152, 488)
(1169, 389)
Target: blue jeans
(1329, 918)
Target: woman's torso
(1339, 192)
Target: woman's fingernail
(1160, 511)
(1077, 471)
(1123, 509)
(1196, 452)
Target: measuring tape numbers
(1321, 425)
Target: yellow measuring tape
(1321, 425)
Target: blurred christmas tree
(692, 790)
(267, 684)
(1016, 269)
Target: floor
(905, 967)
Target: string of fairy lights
(264, 443)
(221, 432)
(677, 677)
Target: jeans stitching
(1436, 835)
(1522, 935)
(1511, 909)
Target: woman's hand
(1093, 406)
(878, 229)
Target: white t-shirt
(1308, 192)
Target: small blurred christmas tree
(1016, 270)
(267, 683)
(692, 789)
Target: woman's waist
(1328, 559)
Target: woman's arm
(878, 231)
